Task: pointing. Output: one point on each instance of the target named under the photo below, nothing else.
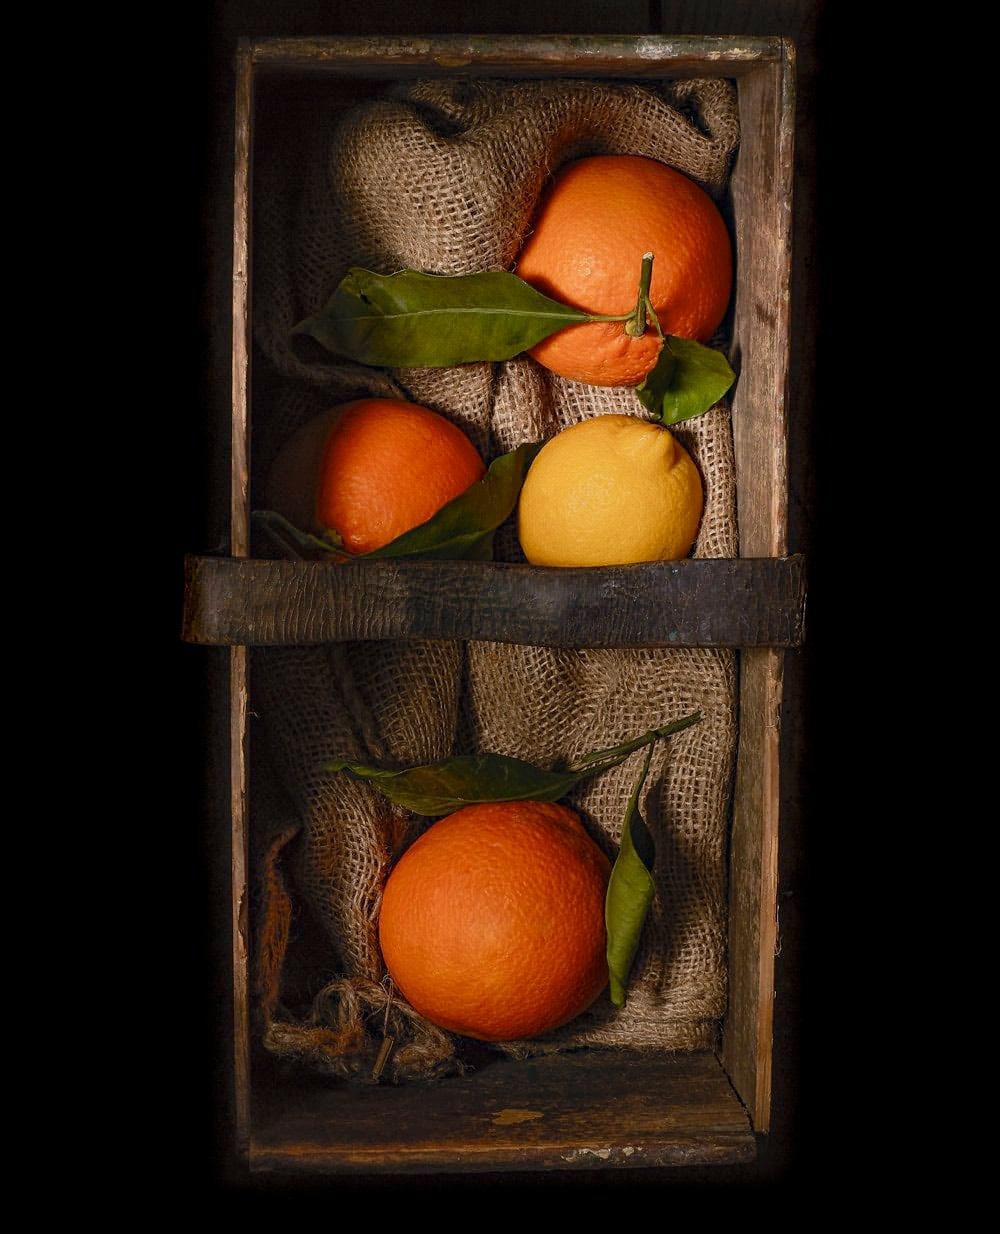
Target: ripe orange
(370, 470)
(596, 221)
(492, 923)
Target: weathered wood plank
(517, 56)
(753, 872)
(761, 188)
(240, 499)
(691, 603)
(238, 755)
(597, 1109)
(240, 546)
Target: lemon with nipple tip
(612, 490)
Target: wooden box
(592, 1108)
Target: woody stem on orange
(635, 327)
(653, 318)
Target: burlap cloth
(443, 176)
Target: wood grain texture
(761, 188)
(519, 56)
(753, 883)
(593, 1109)
(238, 703)
(762, 191)
(690, 603)
(240, 546)
(240, 508)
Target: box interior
(586, 1108)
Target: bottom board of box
(591, 1108)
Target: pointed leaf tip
(630, 891)
(415, 320)
(686, 380)
(462, 530)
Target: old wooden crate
(598, 1108)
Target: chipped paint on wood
(507, 1118)
(613, 1154)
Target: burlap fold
(443, 176)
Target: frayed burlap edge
(350, 1018)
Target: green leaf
(687, 380)
(629, 747)
(461, 530)
(630, 891)
(431, 320)
(441, 788)
(298, 543)
(435, 789)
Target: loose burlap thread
(443, 176)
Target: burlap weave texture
(443, 176)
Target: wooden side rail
(740, 602)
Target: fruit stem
(634, 799)
(629, 747)
(636, 325)
(653, 317)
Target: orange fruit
(370, 470)
(492, 922)
(596, 221)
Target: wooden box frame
(598, 1108)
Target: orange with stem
(603, 220)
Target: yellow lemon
(610, 491)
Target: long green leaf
(629, 747)
(687, 380)
(464, 527)
(431, 320)
(461, 530)
(630, 891)
(435, 789)
(441, 788)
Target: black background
(808, 1140)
